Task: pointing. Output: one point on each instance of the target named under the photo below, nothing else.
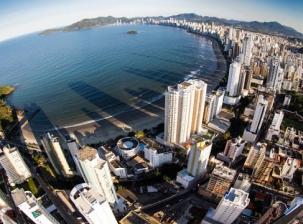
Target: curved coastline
(106, 127)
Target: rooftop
(155, 146)
(137, 218)
(224, 172)
(18, 196)
(87, 153)
(237, 196)
(86, 197)
(128, 143)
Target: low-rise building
(128, 147)
(157, 154)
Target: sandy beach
(138, 119)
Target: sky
(19, 17)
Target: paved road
(63, 210)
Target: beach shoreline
(145, 117)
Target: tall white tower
(259, 115)
(231, 206)
(56, 155)
(247, 47)
(198, 157)
(96, 172)
(91, 204)
(232, 88)
(31, 207)
(184, 108)
(274, 65)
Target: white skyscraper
(56, 155)
(251, 132)
(275, 75)
(232, 88)
(198, 157)
(16, 169)
(274, 128)
(96, 173)
(92, 205)
(259, 115)
(184, 108)
(247, 47)
(231, 206)
(31, 207)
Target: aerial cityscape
(180, 113)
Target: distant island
(50, 31)
(132, 32)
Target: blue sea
(80, 76)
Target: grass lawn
(31, 185)
(292, 123)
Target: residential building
(31, 207)
(230, 207)
(16, 169)
(275, 75)
(114, 163)
(56, 155)
(247, 47)
(91, 204)
(96, 173)
(233, 79)
(233, 149)
(73, 147)
(128, 147)
(220, 180)
(157, 154)
(198, 157)
(243, 182)
(263, 168)
(184, 109)
(274, 128)
(252, 130)
(254, 154)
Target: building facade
(56, 155)
(231, 206)
(184, 109)
(198, 157)
(16, 169)
(96, 173)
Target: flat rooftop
(18, 196)
(86, 197)
(237, 196)
(155, 146)
(224, 172)
(87, 153)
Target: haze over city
(22, 17)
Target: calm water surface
(92, 74)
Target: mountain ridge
(272, 28)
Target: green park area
(31, 185)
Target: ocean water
(80, 76)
